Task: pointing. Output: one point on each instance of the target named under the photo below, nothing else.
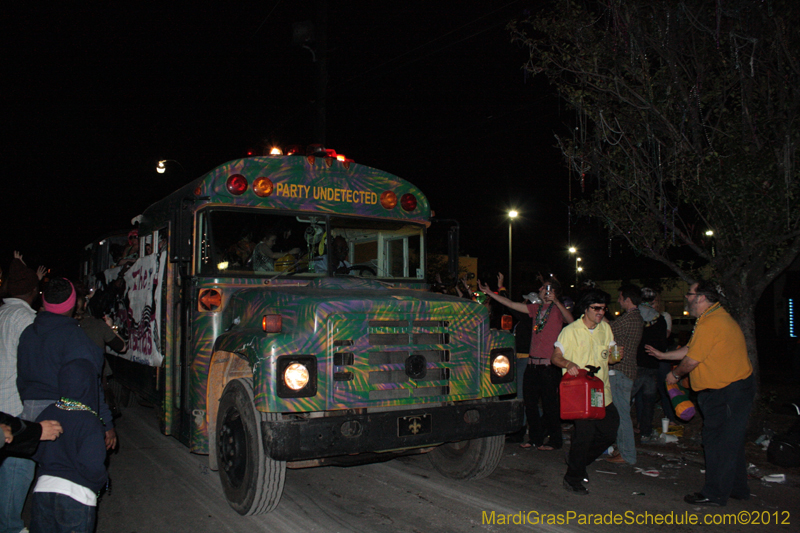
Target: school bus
(277, 313)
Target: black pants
(541, 383)
(725, 414)
(645, 390)
(590, 440)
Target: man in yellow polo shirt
(718, 368)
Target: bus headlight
(501, 365)
(296, 376)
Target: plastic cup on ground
(664, 425)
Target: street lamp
(574, 250)
(161, 167)
(511, 216)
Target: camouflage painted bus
(334, 353)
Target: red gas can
(582, 396)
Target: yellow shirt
(584, 347)
(718, 345)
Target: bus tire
(468, 459)
(252, 481)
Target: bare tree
(687, 122)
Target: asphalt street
(159, 486)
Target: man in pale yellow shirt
(582, 343)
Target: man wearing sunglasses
(716, 361)
(586, 342)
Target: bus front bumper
(331, 436)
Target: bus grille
(399, 360)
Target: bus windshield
(254, 243)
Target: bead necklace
(73, 405)
(541, 318)
(708, 311)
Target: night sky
(95, 93)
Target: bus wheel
(468, 459)
(252, 481)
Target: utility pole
(320, 126)
(313, 36)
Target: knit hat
(21, 279)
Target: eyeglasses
(690, 294)
(597, 308)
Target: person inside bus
(265, 255)
(131, 252)
(338, 249)
(240, 253)
(284, 233)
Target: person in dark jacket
(102, 333)
(53, 340)
(72, 468)
(646, 386)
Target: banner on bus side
(143, 303)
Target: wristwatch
(676, 376)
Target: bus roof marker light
(236, 184)
(388, 200)
(263, 186)
(408, 201)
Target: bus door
(180, 285)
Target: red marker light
(262, 186)
(388, 200)
(295, 149)
(409, 202)
(236, 184)
(272, 323)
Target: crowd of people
(554, 339)
(54, 413)
(52, 407)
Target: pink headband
(63, 307)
